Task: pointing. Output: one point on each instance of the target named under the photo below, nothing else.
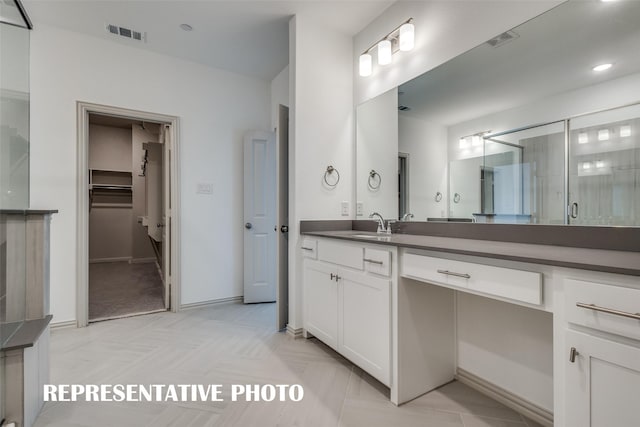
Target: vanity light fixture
(407, 36)
(365, 65)
(603, 135)
(599, 164)
(384, 52)
(602, 67)
(586, 165)
(464, 143)
(625, 131)
(583, 138)
(401, 38)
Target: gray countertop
(610, 261)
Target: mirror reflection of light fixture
(625, 131)
(583, 138)
(474, 140)
(603, 134)
(401, 38)
(599, 164)
(384, 52)
(586, 165)
(365, 65)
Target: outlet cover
(344, 208)
(204, 188)
(359, 209)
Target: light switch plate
(204, 188)
(344, 208)
(359, 209)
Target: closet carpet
(118, 289)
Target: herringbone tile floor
(237, 344)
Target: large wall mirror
(525, 128)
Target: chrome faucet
(406, 216)
(381, 227)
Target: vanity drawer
(518, 285)
(310, 248)
(340, 253)
(622, 301)
(377, 261)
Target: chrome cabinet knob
(248, 226)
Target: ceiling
(554, 53)
(246, 37)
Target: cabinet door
(321, 302)
(602, 383)
(365, 334)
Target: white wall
(424, 141)
(443, 29)
(215, 108)
(279, 94)
(321, 133)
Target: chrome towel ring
(374, 183)
(456, 198)
(329, 172)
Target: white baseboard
(63, 325)
(142, 260)
(518, 404)
(294, 332)
(115, 259)
(210, 303)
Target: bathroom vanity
(551, 331)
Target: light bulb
(384, 52)
(583, 138)
(599, 164)
(476, 141)
(407, 37)
(463, 143)
(586, 165)
(603, 134)
(365, 65)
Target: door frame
(83, 110)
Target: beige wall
(110, 233)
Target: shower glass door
(604, 168)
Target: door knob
(284, 229)
(248, 226)
(159, 225)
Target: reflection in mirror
(377, 156)
(456, 124)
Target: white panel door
(602, 382)
(260, 230)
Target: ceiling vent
(503, 38)
(126, 32)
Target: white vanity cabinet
(602, 364)
(321, 301)
(347, 303)
(602, 382)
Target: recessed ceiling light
(186, 27)
(602, 67)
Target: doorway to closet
(125, 188)
(126, 243)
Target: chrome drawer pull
(307, 249)
(609, 310)
(451, 273)
(373, 261)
